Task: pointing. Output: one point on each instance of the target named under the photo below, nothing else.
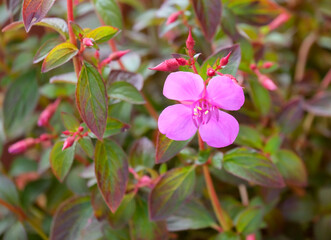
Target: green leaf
(20, 100)
(16, 231)
(208, 13)
(110, 12)
(253, 167)
(57, 90)
(70, 121)
(126, 92)
(61, 161)
(291, 167)
(170, 192)
(227, 236)
(112, 171)
(91, 99)
(87, 146)
(249, 220)
(78, 31)
(135, 79)
(273, 144)
(261, 97)
(59, 55)
(114, 127)
(142, 153)
(45, 48)
(232, 66)
(101, 34)
(8, 191)
(203, 156)
(71, 218)
(192, 215)
(167, 148)
(254, 12)
(249, 137)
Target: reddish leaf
(320, 105)
(167, 148)
(111, 171)
(208, 13)
(34, 11)
(135, 79)
(91, 99)
(170, 192)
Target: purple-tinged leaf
(208, 13)
(167, 148)
(291, 167)
(112, 171)
(126, 92)
(170, 192)
(13, 6)
(142, 153)
(135, 79)
(34, 11)
(61, 161)
(291, 115)
(91, 99)
(253, 167)
(71, 218)
(319, 105)
(232, 66)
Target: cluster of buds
(173, 17)
(223, 62)
(144, 181)
(114, 56)
(47, 114)
(23, 145)
(88, 42)
(72, 137)
(265, 81)
(170, 65)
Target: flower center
(202, 112)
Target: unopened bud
(189, 41)
(182, 61)
(21, 146)
(80, 129)
(68, 142)
(173, 17)
(210, 72)
(253, 67)
(45, 137)
(47, 114)
(280, 20)
(88, 42)
(117, 55)
(169, 65)
(66, 132)
(267, 83)
(97, 54)
(267, 65)
(225, 59)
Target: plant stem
(70, 14)
(212, 194)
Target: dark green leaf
(203, 156)
(87, 146)
(91, 99)
(253, 167)
(8, 191)
(208, 13)
(260, 96)
(110, 12)
(70, 121)
(126, 92)
(61, 161)
(114, 127)
(71, 218)
(20, 100)
(249, 137)
(249, 220)
(142, 153)
(170, 192)
(227, 236)
(167, 148)
(111, 170)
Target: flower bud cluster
(265, 81)
(72, 137)
(48, 113)
(23, 145)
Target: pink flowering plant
(163, 119)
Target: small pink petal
(176, 122)
(183, 86)
(225, 93)
(220, 133)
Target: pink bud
(47, 114)
(88, 42)
(280, 20)
(45, 137)
(169, 65)
(144, 181)
(267, 65)
(210, 72)
(68, 142)
(67, 132)
(97, 54)
(182, 61)
(117, 55)
(80, 129)
(190, 42)
(253, 66)
(173, 17)
(251, 236)
(225, 59)
(21, 146)
(267, 83)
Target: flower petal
(183, 86)
(225, 93)
(220, 133)
(176, 122)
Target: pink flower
(199, 108)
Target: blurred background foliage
(291, 125)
